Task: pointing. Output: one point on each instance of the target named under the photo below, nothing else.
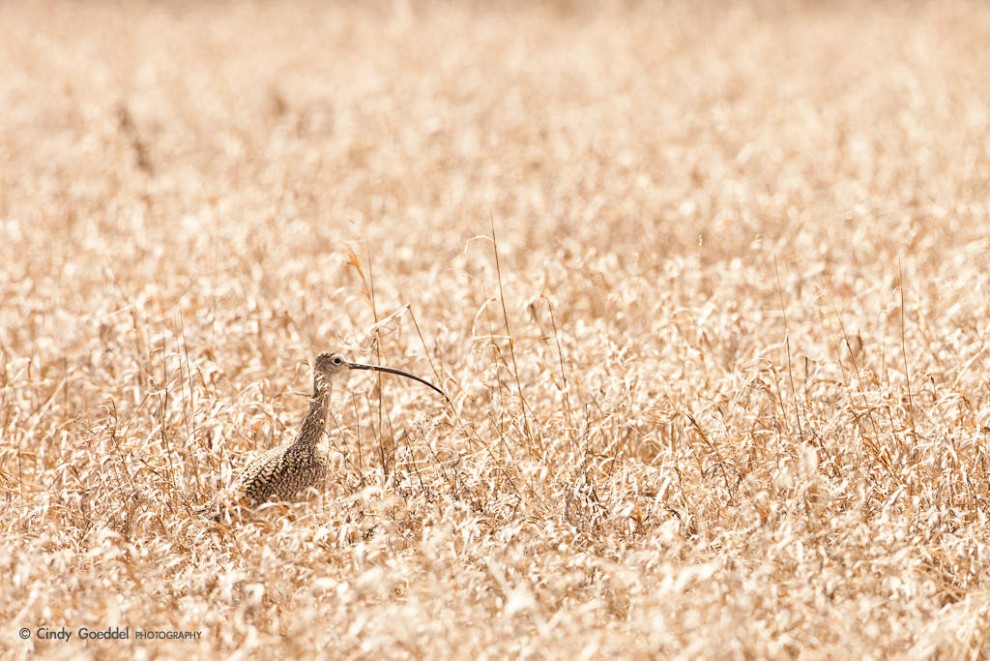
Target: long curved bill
(391, 370)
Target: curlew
(285, 472)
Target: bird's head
(330, 366)
(327, 367)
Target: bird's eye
(337, 360)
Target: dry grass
(727, 398)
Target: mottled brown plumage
(286, 472)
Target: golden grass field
(723, 394)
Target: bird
(286, 472)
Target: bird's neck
(316, 420)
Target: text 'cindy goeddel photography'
(65, 634)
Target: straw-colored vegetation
(724, 393)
